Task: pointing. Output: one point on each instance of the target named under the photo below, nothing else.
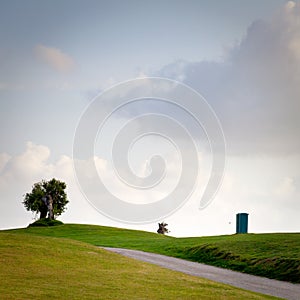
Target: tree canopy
(162, 228)
(35, 200)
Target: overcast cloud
(255, 90)
(243, 58)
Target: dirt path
(248, 282)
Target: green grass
(271, 255)
(41, 267)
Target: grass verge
(35, 267)
(271, 255)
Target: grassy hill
(41, 267)
(270, 255)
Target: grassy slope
(271, 255)
(35, 267)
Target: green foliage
(45, 222)
(33, 200)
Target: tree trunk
(43, 214)
(50, 207)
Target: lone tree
(47, 198)
(162, 228)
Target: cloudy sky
(243, 57)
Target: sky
(243, 57)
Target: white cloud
(286, 188)
(24, 72)
(290, 5)
(55, 58)
(28, 166)
(4, 158)
(255, 90)
(255, 186)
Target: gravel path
(245, 281)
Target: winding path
(245, 281)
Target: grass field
(41, 267)
(270, 255)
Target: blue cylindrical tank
(242, 223)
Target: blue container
(242, 223)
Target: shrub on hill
(45, 222)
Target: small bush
(45, 222)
